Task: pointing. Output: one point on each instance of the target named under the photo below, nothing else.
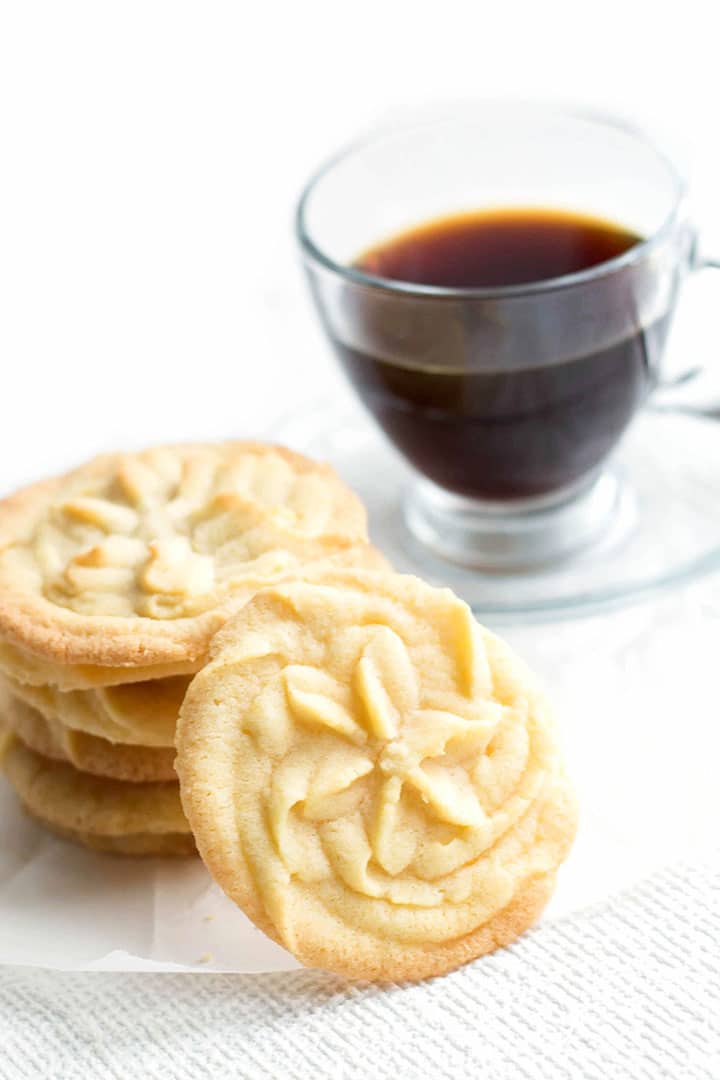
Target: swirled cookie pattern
(137, 714)
(167, 533)
(87, 753)
(362, 762)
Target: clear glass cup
(507, 401)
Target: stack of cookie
(113, 580)
(369, 774)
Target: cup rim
(311, 252)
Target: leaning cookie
(88, 753)
(107, 815)
(373, 777)
(123, 569)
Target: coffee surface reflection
(497, 248)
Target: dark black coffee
(500, 434)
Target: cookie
(23, 666)
(159, 844)
(132, 561)
(138, 764)
(139, 714)
(97, 812)
(373, 777)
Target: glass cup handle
(699, 405)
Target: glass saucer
(664, 529)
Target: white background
(151, 154)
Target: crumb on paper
(208, 918)
(206, 958)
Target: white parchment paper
(638, 696)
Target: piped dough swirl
(362, 762)
(135, 560)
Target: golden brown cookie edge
(68, 638)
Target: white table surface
(149, 290)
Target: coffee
(497, 248)
(481, 428)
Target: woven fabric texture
(626, 990)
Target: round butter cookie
(19, 666)
(132, 561)
(373, 777)
(108, 815)
(140, 714)
(88, 753)
(23, 666)
(158, 844)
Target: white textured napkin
(628, 989)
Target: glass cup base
(647, 523)
(528, 533)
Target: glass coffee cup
(507, 399)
